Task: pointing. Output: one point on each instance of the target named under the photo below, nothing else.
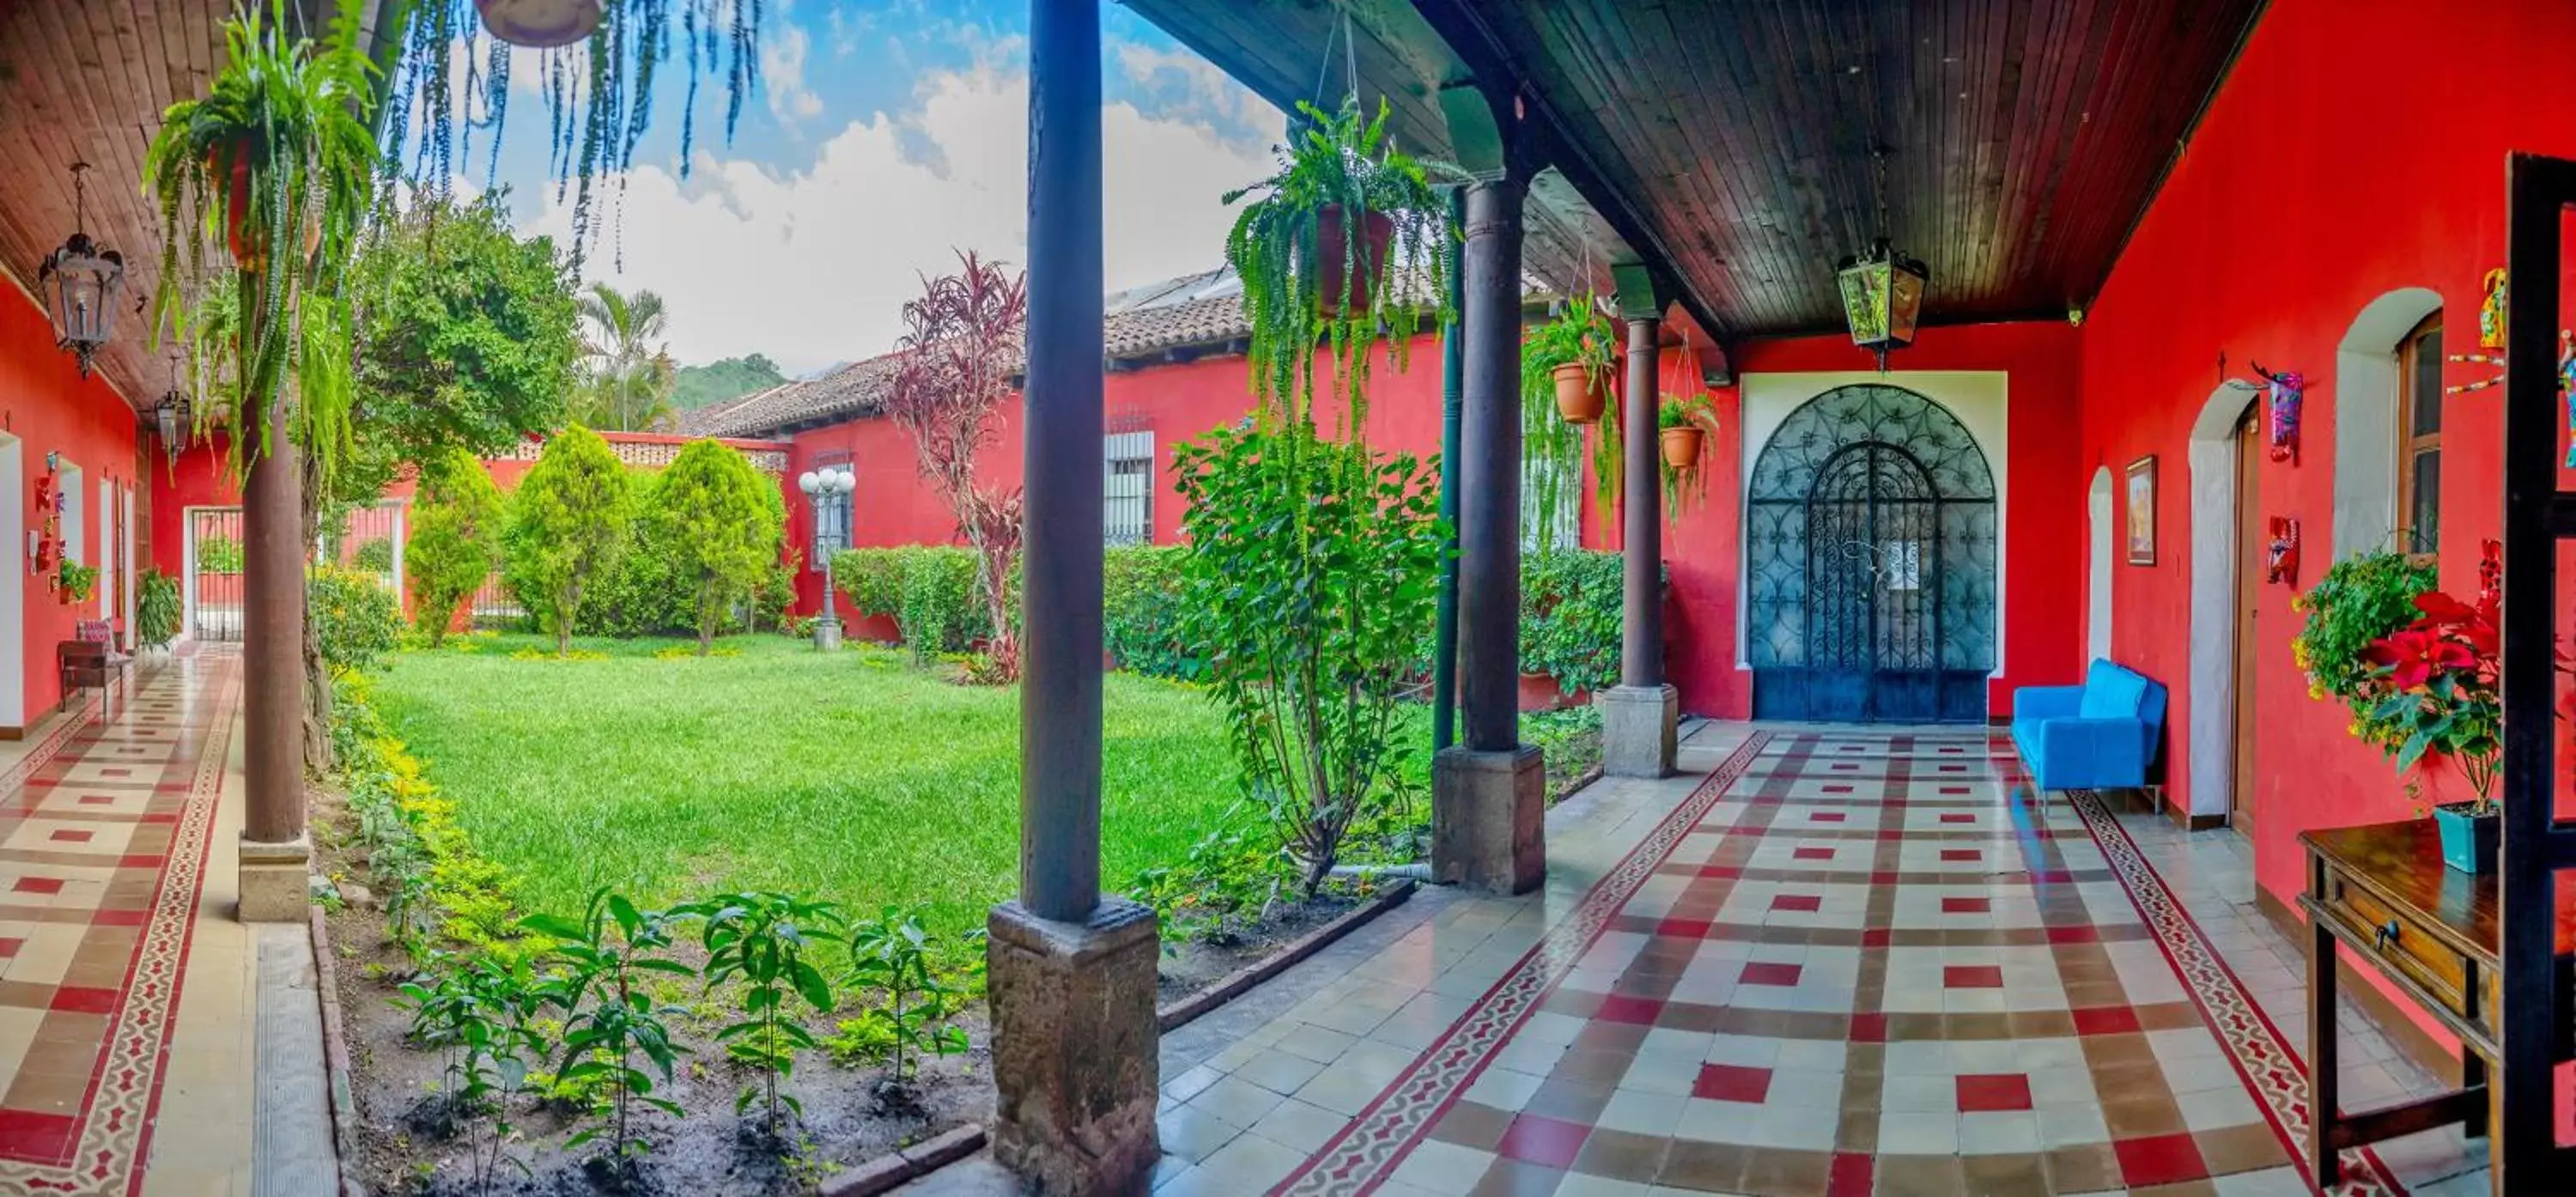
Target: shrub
(455, 540)
(375, 556)
(932, 591)
(355, 619)
(569, 524)
(219, 554)
(156, 608)
(2358, 601)
(1309, 578)
(872, 578)
(1570, 617)
(1140, 612)
(721, 535)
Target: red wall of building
(48, 407)
(2357, 147)
(2042, 631)
(1176, 402)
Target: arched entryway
(1870, 563)
(2098, 557)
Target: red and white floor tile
(1842, 962)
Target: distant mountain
(717, 381)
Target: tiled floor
(103, 855)
(1843, 962)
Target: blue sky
(883, 135)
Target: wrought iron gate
(1870, 563)
(214, 597)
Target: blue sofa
(2101, 734)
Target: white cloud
(813, 267)
(782, 75)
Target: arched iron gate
(1870, 563)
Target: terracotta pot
(1330, 244)
(1681, 446)
(1541, 692)
(1576, 398)
(540, 24)
(237, 202)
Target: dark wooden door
(2249, 588)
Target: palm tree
(630, 376)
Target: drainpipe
(1444, 656)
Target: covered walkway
(1820, 962)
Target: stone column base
(276, 880)
(1489, 819)
(1075, 1048)
(1637, 736)
(827, 634)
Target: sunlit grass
(852, 775)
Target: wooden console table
(2383, 891)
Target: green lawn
(854, 774)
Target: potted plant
(279, 152)
(2438, 703)
(1340, 247)
(1567, 364)
(1683, 421)
(75, 582)
(1577, 353)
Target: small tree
(961, 341)
(724, 532)
(568, 525)
(455, 540)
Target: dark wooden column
(1489, 468)
(1641, 627)
(273, 551)
(1061, 523)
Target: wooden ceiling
(87, 82)
(1740, 146)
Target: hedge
(928, 590)
(652, 591)
(1570, 616)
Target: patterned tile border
(1361, 1155)
(116, 1127)
(45, 749)
(2262, 1057)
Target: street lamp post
(824, 487)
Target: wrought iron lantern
(170, 418)
(540, 24)
(1882, 299)
(82, 283)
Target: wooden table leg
(2473, 1073)
(2324, 1162)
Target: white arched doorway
(2099, 541)
(2214, 508)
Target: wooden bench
(92, 661)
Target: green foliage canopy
(455, 539)
(568, 525)
(726, 378)
(710, 503)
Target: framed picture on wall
(2141, 497)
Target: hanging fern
(1552, 448)
(276, 162)
(1339, 161)
(598, 93)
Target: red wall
(49, 408)
(2357, 147)
(1176, 402)
(2041, 632)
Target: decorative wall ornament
(2491, 311)
(2286, 394)
(2281, 551)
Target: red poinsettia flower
(2413, 655)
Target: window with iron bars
(1127, 464)
(831, 526)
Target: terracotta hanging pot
(1378, 233)
(540, 24)
(1577, 399)
(1681, 446)
(236, 182)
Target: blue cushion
(2111, 692)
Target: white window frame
(1136, 521)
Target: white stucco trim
(2212, 729)
(2100, 541)
(1980, 399)
(2365, 419)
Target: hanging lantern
(1882, 299)
(540, 24)
(170, 418)
(81, 283)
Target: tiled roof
(1196, 310)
